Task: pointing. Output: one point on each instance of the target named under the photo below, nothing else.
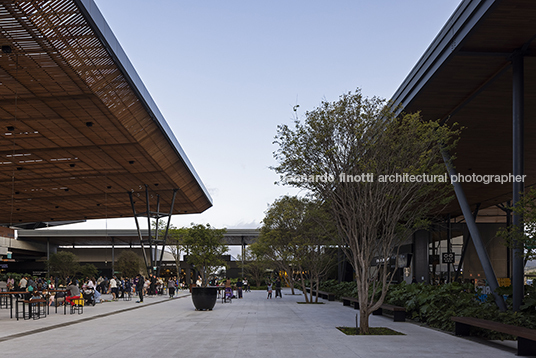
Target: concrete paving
(250, 327)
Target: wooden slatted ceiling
(72, 130)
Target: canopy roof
(78, 129)
(465, 76)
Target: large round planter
(204, 298)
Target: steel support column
(475, 234)
(449, 246)
(518, 96)
(138, 230)
(153, 264)
(167, 231)
(113, 257)
(465, 244)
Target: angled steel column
(518, 104)
(475, 234)
(465, 242)
(149, 235)
(139, 231)
(167, 230)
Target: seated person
(74, 292)
(97, 296)
(59, 297)
(36, 295)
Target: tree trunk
(290, 282)
(303, 287)
(364, 312)
(317, 287)
(363, 318)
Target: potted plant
(205, 250)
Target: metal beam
(475, 234)
(518, 163)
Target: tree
(88, 270)
(514, 235)
(255, 264)
(63, 264)
(295, 234)
(128, 263)
(206, 249)
(315, 241)
(380, 174)
(176, 237)
(276, 239)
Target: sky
(225, 74)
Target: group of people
(152, 286)
(270, 286)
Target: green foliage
(255, 264)
(434, 305)
(297, 233)
(205, 249)
(364, 138)
(525, 234)
(63, 264)
(128, 263)
(88, 270)
(342, 289)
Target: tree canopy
(64, 264)
(294, 235)
(205, 249)
(380, 173)
(526, 233)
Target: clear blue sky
(225, 73)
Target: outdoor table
(34, 308)
(11, 294)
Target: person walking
(171, 287)
(269, 289)
(113, 288)
(278, 288)
(239, 287)
(139, 287)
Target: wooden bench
(322, 294)
(526, 337)
(326, 295)
(399, 313)
(350, 301)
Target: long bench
(350, 301)
(322, 294)
(526, 337)
(326, 295)
(399, 313)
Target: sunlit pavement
(250, 327)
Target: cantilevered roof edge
(97, 22)
(464, 19)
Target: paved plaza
(250, 327)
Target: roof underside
(466, 77)
(78, 130)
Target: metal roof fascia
(447, 42)
(97, 22)
(74, 233)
